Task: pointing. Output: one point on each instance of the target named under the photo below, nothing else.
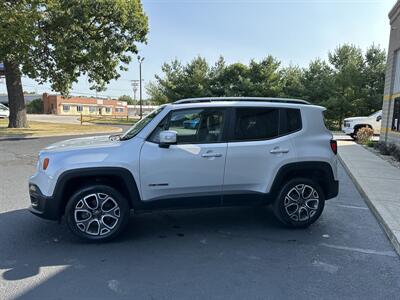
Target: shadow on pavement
(20, 137)
(32, 247)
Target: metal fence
(108, 119)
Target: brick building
(390, 131)
(55, 104)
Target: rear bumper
(42, 206)
(333, 190)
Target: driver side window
(193, 126)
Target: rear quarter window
(290, 121)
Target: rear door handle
(207, 155)
(278, 150)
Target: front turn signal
(45, 163)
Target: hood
(86, 142)
(355, 118)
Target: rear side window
(290, 120)
(256, 124)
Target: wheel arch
(320, 172)
(119, 178)
(358, 126)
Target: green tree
(127, 99)
(233, 80)
(348, 64)
(374, 80)
(56, 41)
(181, 81)
(35, 106)
(198, 79)
(348, 83)
(265, 78)
(318, 82)
(168, 87)
(217, 88)
(156, 93)
(292, 82)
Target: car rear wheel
(299, 203)
(97, 213)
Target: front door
(192, 168)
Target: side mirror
(167, 138)
(378, 118)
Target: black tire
(285, 209)
(107, 220)
(354, 134)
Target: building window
(108, 109)
(396, 115)
(79, 108)
(119, 109)
(65, 107)
(92, 109)
(396, 82)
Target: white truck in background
(351, 126)
(4, 111)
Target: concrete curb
(381, 220)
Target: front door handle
(207, 155)
(278, 150)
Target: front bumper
(41, 205)
(347, 130)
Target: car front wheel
(299, 203)
(97, 213)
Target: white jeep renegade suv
(193, 153)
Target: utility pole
(135, 85)
(140, 60)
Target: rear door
(194, 167)
(260, 143)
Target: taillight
(334, 146)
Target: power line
(40, 88)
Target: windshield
(135, 129)
(375, 113)
(3, 107)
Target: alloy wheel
(301, 202)
(97, 214)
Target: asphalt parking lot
(230, 253)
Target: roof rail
(244, 99)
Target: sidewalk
(378, 182)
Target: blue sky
(294, 31)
